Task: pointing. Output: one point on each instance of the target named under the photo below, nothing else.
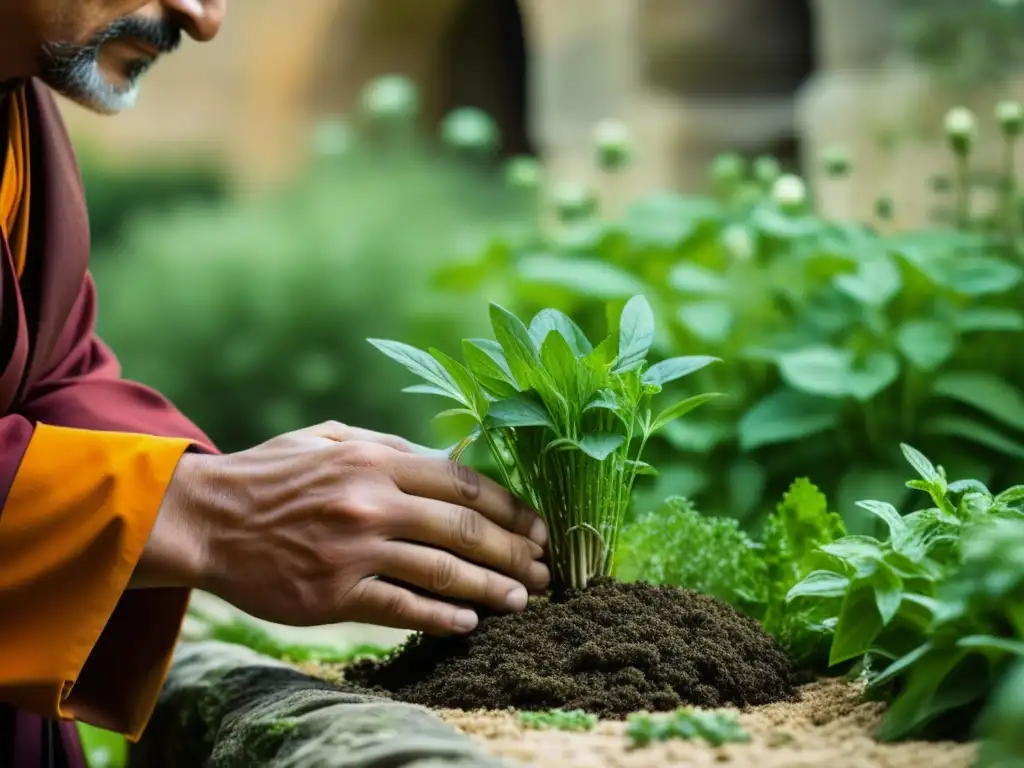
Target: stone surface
(225, 706)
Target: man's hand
(328, 524)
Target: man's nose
(201, 19)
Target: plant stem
(1010, 188)
(963, 192)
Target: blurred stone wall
(693, 78)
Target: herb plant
(560, 719)
(934, 612)
(566, 421)
(716, 728)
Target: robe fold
(85, 460)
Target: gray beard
(74, 72)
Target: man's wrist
(176, 554)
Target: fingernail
(539, 532)
(465, 621)
(539, 574)
(516, 599)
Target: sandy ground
(828, 727)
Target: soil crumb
(611, 649)
(827, 724)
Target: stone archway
(739, 62)
(458, 52)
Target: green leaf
(486, 361)
(429, 389)
(601, 445)
(710, 321)
(515, 341)
(921, 464)
(820, 584)
(473, 396)
(832, 372)
(997, 645)
(518, 411)
(676, 368)
(548, 320)
(986, 392)
(975, 432)
(888, 514)
(876, 281)
(689, 278)
(900, 666)
(989, 319)
(420, 363)
(588, 277)
(980, 275)
(680, 409)
(561, 366)
(784, 416)
(921, 698)
(927, 344)
(1011, 495)
(636, 334)
(888, 593)
(858, 626)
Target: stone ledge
(225, 706)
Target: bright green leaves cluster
(687, 723)
(676, 544)
(566, 421)
(935, 609)
(559, 719)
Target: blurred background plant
(251, 314)
(840, 338)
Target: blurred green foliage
(252, 315)
(840, 339)
(116, 195)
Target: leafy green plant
(934, 611)
(716, 728)
(1003, 744)
(675, 544)
(566, 421)
(841, 338)
(559, 719)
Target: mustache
(163, 36)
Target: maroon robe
(56, 371)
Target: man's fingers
(343, 433)
(456, 483)
(445, 575)
(468, 534)
(388, 605)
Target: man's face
(95, 51)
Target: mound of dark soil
(610, 649)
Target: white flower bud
(1010, 115)
(391, 97)
(961, 126)
(789, 192)
(575, 202)
(614, 144)
(469, 128)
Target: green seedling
(560, 719)
(716, 728)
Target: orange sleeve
(73, 642)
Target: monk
(113, 506)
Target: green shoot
(566, 421)
(559, 719)
(716, 728)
